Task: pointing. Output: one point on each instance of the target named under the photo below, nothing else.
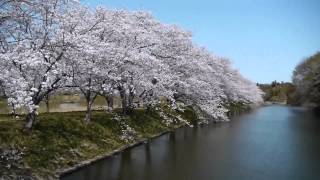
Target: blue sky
(264, 39)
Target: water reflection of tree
(127, 169)
(148, 171)
(124, 165)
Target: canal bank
(61, 143)
(235, 109)
(273, 142)
(61, 140)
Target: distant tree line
(281, 92)
(305, 86)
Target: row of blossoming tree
(57, 45)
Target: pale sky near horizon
(265, 39)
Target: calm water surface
(271, 143)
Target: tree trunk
(47, 103)
(14, 112)
(31, 119)
(109, 99)
(130, 99)
(124, 101)
(89, 111)
(124, 104)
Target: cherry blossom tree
(135, 68)
(34, 58)
(47, 45)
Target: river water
(270, 143)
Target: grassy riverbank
(61, 140)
